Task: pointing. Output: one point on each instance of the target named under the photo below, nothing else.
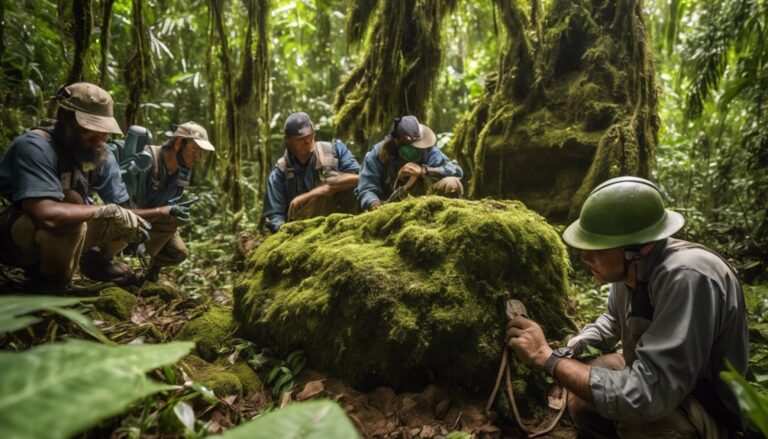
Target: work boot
(153, 274)
(95, 266)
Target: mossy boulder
(408, 294)
(209, 331)
(223, 378)
(114, 304)
(164, 291)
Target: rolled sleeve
(441, 165)
(671, 355)
(369, 187)
(275, 200)
(347, 162)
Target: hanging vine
(399, 68)
(139, 67)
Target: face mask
(410, 153)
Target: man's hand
(181, 213)
(527, 339)
(121, 224)
(298, 203)
(374, 205)
(410, 169)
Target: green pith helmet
(622, 211)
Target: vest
(326, 163)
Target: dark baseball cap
(92, 105)
(412, 132)
(298, 125)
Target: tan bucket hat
(191, 130)
(92, 105)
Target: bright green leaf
(58, 390)
(305, 420)
(13, 309)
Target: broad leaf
(58, 390)
(751, 402)
(14, 308)
(313, 419)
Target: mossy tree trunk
(399, 67)
(106, 35)
(83, 24)
(231, 182)
(139, 66)
(572, 104)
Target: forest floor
(188, 292)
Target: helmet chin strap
(631, 256)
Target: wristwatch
(557, 355)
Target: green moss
(116, 302)
(165, 292)
(209, 331)
(222, 378)
(410, 292)
(248, 378)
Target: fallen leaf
(311, 389)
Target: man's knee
(450, 187)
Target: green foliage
(752, 403)
(61, 389)
(15, 310)
(282, 376)
(304, 420)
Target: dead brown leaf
(311, 389)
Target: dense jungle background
(538, 101)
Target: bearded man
(48, 175)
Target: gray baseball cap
(92, 105)
(298, 125)
(418, 135)
(191, 130)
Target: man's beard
(90, 158)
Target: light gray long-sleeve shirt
(699, 321)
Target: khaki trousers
(56, 252)
(165, 245)
(689, 420)
(449, 187)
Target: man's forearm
(52, 214)
(342, 182)
(574, 376)
(150, 214)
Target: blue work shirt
(30, 169)
(377, 178)
(281, 192)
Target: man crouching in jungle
(48, 175)
(676, 307)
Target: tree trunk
(566, 110)
(138, 68)
(106, 34)
(83, 22)
(231, 182)
(399, 67)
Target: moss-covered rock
(410, 293)
(115, 302)
(209, 331)
(164, 291)
(222, 378)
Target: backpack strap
(326, 161)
